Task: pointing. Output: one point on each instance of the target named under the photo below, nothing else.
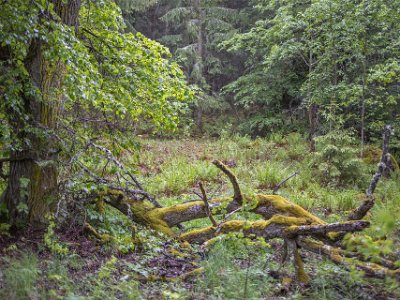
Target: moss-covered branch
(278, 226)
(237, 193)
(340, 257)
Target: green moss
(299, 267)
(192, 235)
(282, 206)
(239, 225)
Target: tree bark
(32, 185)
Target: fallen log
(282, 219)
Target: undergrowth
(330, 183)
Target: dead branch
(232, 213)
(100, 180)
(237, 196)
(207, 206)
(338, 256)
(350, 226)
(278, 226)
(278, 186)
(366, 206)
(110, 157)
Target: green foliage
(193, 29)
(327, 285)
(340, 55)
(20, 278)
(235, 267)
(122, 76)
(112, 224)
(51, 241)
(336, 159)
(178, 174)
(108, 268)
(4, 229)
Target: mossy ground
(234, 267)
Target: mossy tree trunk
(32, 184)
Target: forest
(199, 149)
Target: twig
(100, 180)
(109, 156)
(207, 205)
(232, 213)
(198, 195)
(278, 186)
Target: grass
(170, 169)
(237, 269)
(234, 268)
(20, 278)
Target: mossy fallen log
(281, 219)
(163, 219)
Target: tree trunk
(364, 83)
(32, 187)
(313, 109)
(200, 59)
(313, 120)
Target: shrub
(336, 159)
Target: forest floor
(69, 264)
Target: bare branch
(277, 187)
(207, 205)
(110, 185)
(232, 213)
